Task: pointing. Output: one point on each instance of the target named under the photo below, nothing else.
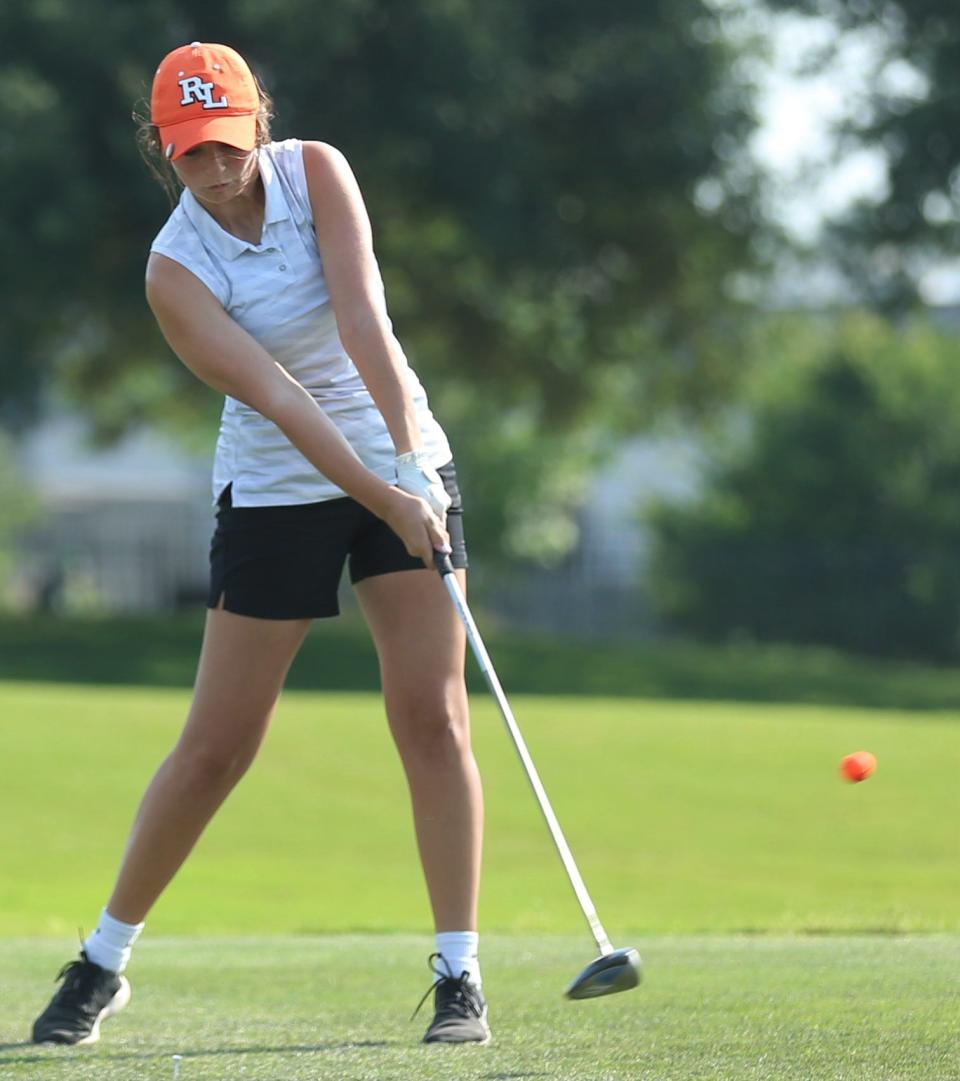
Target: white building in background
(123, 529)
(127, 529)
(615, 545)
(598, 590)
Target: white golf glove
(416, 476)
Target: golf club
(614, 970)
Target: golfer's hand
(415, 523)
(416, 476)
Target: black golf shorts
(286, 562)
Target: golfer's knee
(206, 767)
(431, 733)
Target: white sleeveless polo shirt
(276, 290)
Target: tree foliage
(530, 169)
(831, 515)
(20, 511)
(916, 123)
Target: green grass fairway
(333, 1008)
(684, 817)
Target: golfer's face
(216, 172)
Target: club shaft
(490, 675)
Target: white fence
(120, 556)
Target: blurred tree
(20, 511)
(559, 193)
(913, 115)
(831, 516)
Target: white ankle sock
(458, 950)
(111, 943)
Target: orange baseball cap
(204, 93)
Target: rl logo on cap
(196, 90)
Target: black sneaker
(460, 1010)
(90, 994)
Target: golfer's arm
(345, 241)
(225, 357)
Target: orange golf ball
(857, 766)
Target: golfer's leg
(421, 644)
(242, 667)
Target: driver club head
(608, 974)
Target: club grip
(441, 560)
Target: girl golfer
(264, 283)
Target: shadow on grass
(511, 1076)
(54, 1053)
